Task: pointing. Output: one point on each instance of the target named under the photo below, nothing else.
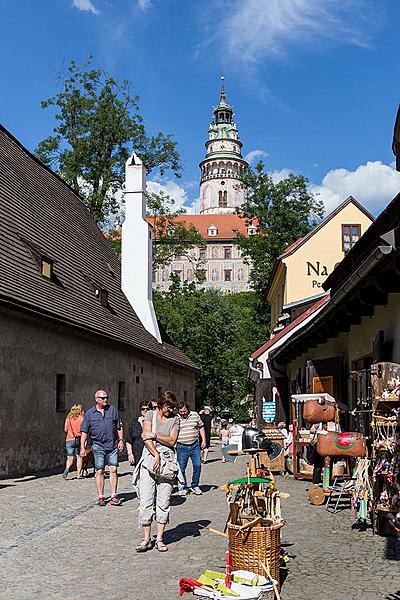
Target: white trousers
(155, 495)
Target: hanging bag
(341, 444)
(168, 463)
(319, 411)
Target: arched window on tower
(225, 199)
(220, 198)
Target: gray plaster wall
(32, 352)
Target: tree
(99, 124)
(218, 332)
(283, 211)
(171, 235)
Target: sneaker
(183, 492)
(115, 501)
(65, 474)
(101, 501)
(196, 490)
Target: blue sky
(314, 83)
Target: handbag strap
(154, 425)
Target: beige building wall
(309, 266)
(302, 273)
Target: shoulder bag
(168, 463)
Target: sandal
(160, 546)
(144, 546)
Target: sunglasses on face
(102, 397)
(144, 409)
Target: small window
(121, 395)
(46, 267)
(60, 392)
(184, 395)
(202, 254)
(159, 392)
(228, 252)
(133, 367)
(228, 275)
(137, 379)
(252, 230)
(212, 230)
(141, 370)
(214, 275)
(102, 295)
(350, 235)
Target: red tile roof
(313, 308)
(228, 225)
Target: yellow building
(300, 271)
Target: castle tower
(220, 189)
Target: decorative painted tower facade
(220, 189)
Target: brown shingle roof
(43, 216)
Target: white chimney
(136, 268)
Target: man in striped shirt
(188, 446)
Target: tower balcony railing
(222, 175)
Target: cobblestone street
(56, 544)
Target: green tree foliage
(284, 211)
(172, 236)
(114, 239)
(98, 126)
(218, 332)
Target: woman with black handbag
(72, 428)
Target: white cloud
(144, 4)
(254, 156)
(175, 191)
(255, 29)
(373, 184)
(85, 5)
(279, 175)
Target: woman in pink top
(72, 428)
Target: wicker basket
(251, 547)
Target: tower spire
(222, 95)
(223, 165)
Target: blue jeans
(192, 451)
(102, 456)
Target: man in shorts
(103, 425)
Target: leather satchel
(319, 411)
(341, 444)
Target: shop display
(386, 449)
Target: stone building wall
(32, 352)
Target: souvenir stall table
(321, 410)
(301, 433)
(385, 424)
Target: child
(224, 436)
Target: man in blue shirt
(103, 425)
